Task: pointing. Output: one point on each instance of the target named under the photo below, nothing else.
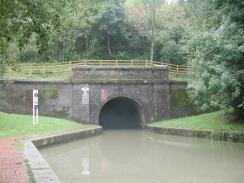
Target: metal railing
(42, 68)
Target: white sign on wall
(35, 98)
(35, 107)
(85, 95)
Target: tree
(172, 26)
(145, 16)
(215, 52)
(19, 19)
(151, 8)
(111, 24)
(164, 34)
(195, 10)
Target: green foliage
(1, 96)
(201, 134)
(215, 55)
(40, 24)
(19, 19)
(233, 136)
(215, 135)
(164, 33)
(2, 68)
(2, 72)
(180, 98)
(74, 30)
(29, 171)
(51, 93)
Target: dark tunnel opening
(121, 113)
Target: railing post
(54, 67)
(30, 69)
(146, 63)
(43, 70)
(101, 63)
(132, 63)
(70, 65)
(177, 70)
(84, 62)
(116, 63)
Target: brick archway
(140, 106)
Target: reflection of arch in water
(128, 111)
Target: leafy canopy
(19, 19)
(215, 53)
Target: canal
(140, 156)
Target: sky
(169, 1)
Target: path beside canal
(13, 167)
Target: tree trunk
(63, 48)
(109, 50)
(193, 4)
(152, 50)
(153, 14)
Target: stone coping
(121, 81)
(208, 134)
(42, 172)
(86, 67)
(175, 82)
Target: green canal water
(139, 156)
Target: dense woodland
(111, 29)
(206, 35)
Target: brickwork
(120, 73)
(135, 83)
(180, 105)
(54, 98)
(155, 96)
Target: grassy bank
(59, 76)
(16, 125)
(220, 127)
(210, 121)
(65, 76)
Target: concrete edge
(208, 134)
(41, 170)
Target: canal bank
(42, 172)
(40, 169)
(208, 134)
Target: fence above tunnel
(56, 67)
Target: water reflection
(140, 156)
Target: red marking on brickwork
(103, 96)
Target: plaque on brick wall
(85, 95)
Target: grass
(16, 125)
(58, 76)
(211, 121)
(29, 171)
(179, 77)
(64, 76)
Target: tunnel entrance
(121, 113)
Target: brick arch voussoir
(121, 94)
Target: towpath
(12, 166)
